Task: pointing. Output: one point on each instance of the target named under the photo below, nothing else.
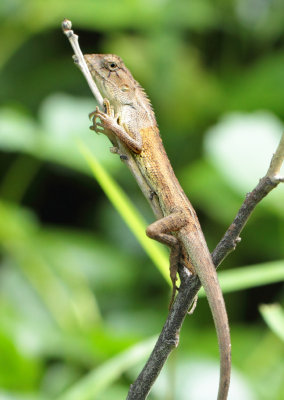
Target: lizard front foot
(108, 122)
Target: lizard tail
(218, 309)
(205, 269)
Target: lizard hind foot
(193, 305)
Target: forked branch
(190, 284)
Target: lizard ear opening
(124, 88)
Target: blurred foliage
(80, 301)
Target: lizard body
(129, 118)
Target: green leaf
(90, 386)
(241, 146)
(61, 266)
(17, 369)
(63, 120)
(251, 276)
(273, 315)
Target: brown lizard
(129, 118)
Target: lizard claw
(193, 305)
(109, 110)
(91, 115)
(99, 127)
(107, 106)
(94, 113)
(95, 129)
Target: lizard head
(113, 79)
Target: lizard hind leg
(161, 231)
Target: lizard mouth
(91, 67)
(94, 64)
(97, 77)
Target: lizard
(128, 117)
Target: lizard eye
(112, 66)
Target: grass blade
(128, 212)
(251, 276)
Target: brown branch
(190, 284)
(169, 337)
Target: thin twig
(276, 162)
(190, 283)
(79, 59)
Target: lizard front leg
(98, 127)
(109, 121)
(161, 231)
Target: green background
(80, 300)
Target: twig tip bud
(66, 24)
